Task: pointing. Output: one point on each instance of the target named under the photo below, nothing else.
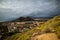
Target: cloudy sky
(12, 9)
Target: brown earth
(47, 36)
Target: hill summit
(24, 19)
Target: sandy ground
(47, 36)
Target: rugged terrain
(50, 30)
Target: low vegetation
(53, 25)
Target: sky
(13, 9)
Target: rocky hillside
(47, 31)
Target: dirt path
(47, 36)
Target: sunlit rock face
(12, 9)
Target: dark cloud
(12, 9)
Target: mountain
(24, 19)
(49, 31)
